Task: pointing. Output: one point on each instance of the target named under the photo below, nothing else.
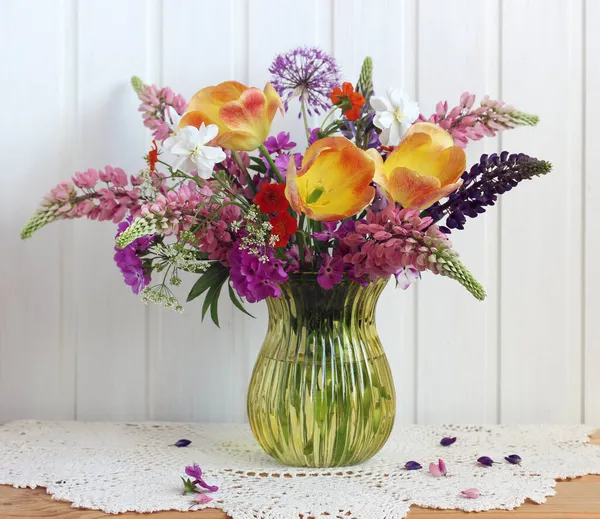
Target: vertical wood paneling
(591, 227)
(391, 42)
(109, 321)
(457, 335)
(541, 221)
(193, 369)
(36, 366)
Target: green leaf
(212, 300)
(210, 276)
(237, 303)
(257, 168)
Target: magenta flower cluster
(155, 106)
(190, 208)
(256, 277)
(129, 262)
(389, 241)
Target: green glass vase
(321, 393)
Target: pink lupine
(156, 109)
(466, 123)
(393, 239)
(84, 197)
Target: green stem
(300, 238)
(240, 164)
(274, 169)
(304, 117)
(331, 112)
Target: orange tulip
(424, 168)
(334, 181)
(243, 114)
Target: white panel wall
(74, 343)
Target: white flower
(189, 145)
(172, 119)
(394, 114)
(406, 277)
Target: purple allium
(129, 262)
(308, 73)
(255, 279)
(194, 471)
(446, 442)
(331, 271)
(280, 143)
(492, 176)
(412, 465)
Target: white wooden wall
(75, 343)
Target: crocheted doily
(119, 467)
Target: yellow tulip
(243, 114)
(424, 168)
(333, 182)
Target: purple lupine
(308, 73)
(493, 175)
(129, 262)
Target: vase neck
(309, 323)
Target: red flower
(271, 199)
(284, 226)
(348, 100)
(153, 157)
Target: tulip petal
(242, 141)
(197, 119)
(226, 92)
(450, 165)
(334, 143)
(246, 112)
(439, 136)
(292, 192)
(274, 102)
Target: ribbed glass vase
(321, 394)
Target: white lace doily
(133, 467)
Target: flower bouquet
(315, 229)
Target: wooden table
(575, 499)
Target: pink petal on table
(471, 493)
(202, 499)
(442, 467)
(434, 470)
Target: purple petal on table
(446, 442)
(412, 465)
(182, 443)
(485, 460)
(515, 459)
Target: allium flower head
(308, 73)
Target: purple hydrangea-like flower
(253, 278)
(308, 73)
(280, 143)
(129, 262)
